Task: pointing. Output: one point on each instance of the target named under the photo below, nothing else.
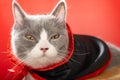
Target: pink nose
(44, 49)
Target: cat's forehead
(48, 22)
(39, 19)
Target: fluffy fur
(32, 33)
(43, 28)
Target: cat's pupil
(29, 37)
(55, 36)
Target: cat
(42, 40)
(39, 40)
(44, 35)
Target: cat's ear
(60, 11)
(18, 12)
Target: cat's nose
(44, 49)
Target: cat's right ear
(18, 13)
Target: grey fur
(33, 24)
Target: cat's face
(40, 40)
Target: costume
(87, 57)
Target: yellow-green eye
(29, 37)
(55, 36)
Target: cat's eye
(55, 36)
(29, 37)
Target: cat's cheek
(35, 53)
(52, 52)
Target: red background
(99, 18)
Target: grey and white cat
(41, 40)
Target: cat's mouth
(49, 55)
(41, 61)
(43, 55)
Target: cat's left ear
(60, 11)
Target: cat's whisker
(20, 62)
(62, 51)
(71, 59)
(67, 49)
(61, 54)
(82, 54)
(79, 50)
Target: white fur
(37, 59)
(18, 15)
(37, 17)
(15, 37)
(61, 16)
(61, 12)
(43, 35)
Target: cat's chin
(42, 62)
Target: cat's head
(40, 40)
